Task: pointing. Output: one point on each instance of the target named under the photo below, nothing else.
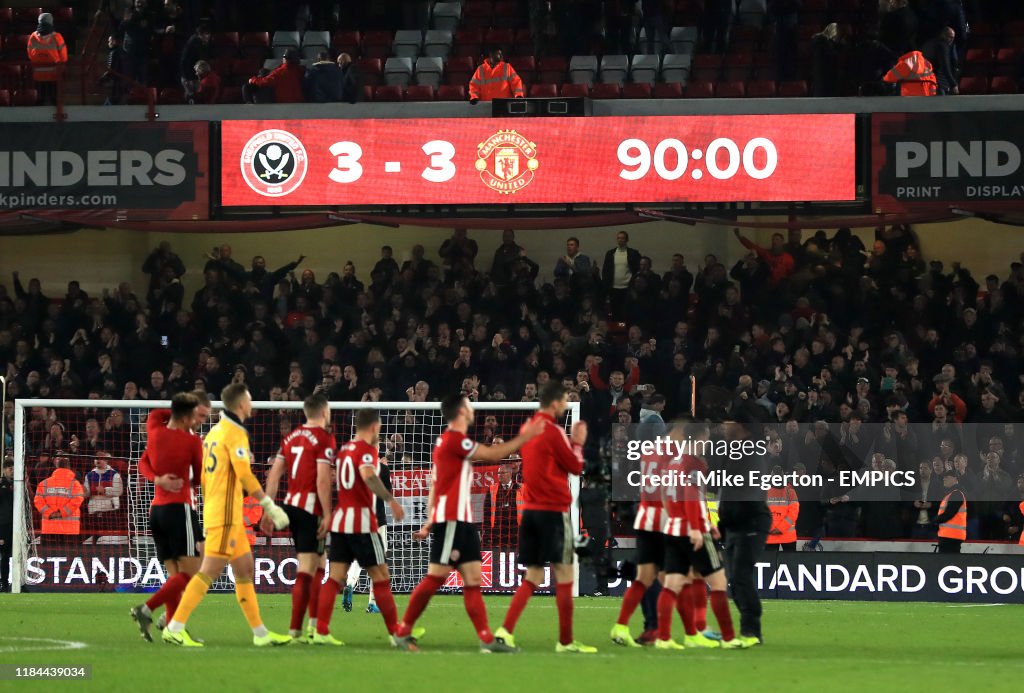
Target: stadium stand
(988, 49)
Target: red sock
(630, 601)
(666, 602)
(515, 609)
(700, 605)
(720, 605)
(684, 605)
(328, 593)
(418, 601)
(314, 592)
(300, 599)
(169, 593)
(563, 598)
(477, 612)
(386, 604)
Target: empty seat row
(585, 69)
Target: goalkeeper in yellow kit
(227, 478)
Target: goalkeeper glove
(274, 512)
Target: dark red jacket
(548, 460)
(287, 82)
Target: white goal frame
(22, 533)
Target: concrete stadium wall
(103, 258)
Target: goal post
(96, 536)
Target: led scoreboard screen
(465, 161)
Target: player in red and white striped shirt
(690, 550)
(650, 552)
(456, 540)
(353, 523)
(302, 453)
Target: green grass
(821, 646)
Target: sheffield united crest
(507, 161)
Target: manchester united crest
(507, 161)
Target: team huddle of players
(333, 497)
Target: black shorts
(454, 543)
(304, 527)
(545, 536)
(368, 549)
(650, 547)
(680, 556)
(176, 531)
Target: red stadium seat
(477, 14)
(603, 90)
(552, 68)
(524, 65)
(468, 35)
(231, 95)
(171, 96)
(468, 50)
(668, 90)
(16, 48)
(347, 42)
(575, 90)
(5, 97)
(459, 71)
(636, 91)
(377, 44)
(451, 92)
(387, 93)
(141, 96)
(370, 70)
(225, 43)
(26, 19)
(978, 55)
(25, 97)
(543, 91)
(10, 77)
(1003, 85)
(419, 92)
(254, 45)
(973, 85)
(367, 93)
(502, 38)
(700, 90)
(244, 68)
(730, 90)
(761, 89)
(793, 89)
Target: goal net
(82, 522)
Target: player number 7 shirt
(452, 477)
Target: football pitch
(810, 645)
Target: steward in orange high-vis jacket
(785, 508)
(914, 74)
(59, 500)
(495, 79)
(48, 54)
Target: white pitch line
(54, 644)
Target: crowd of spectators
(847, 57)
(815, 329)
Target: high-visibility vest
(1021, 540)
(712, 508)
(914, 74)
(498, 82)
(60, 492)
(956, 527)
(494, 503)
(46, 53)
(252, 513)
(785, 508)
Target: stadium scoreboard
(572, 160)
